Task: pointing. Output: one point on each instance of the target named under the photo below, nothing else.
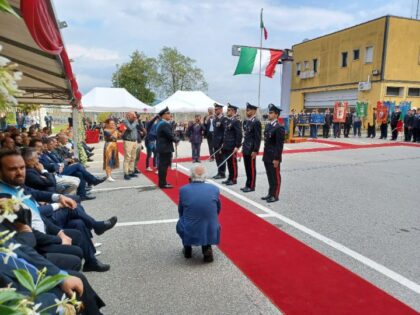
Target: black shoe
(207, 254)
(243, 188)
(219, 176)
(166, 186)
(230, 182)
(96, 266)
(136, 171)
(89, 160)
(133, 174)
(89, 155)
(107, 225)
(225, 181)
(247, 189)
(187, 251)
(86, 197)
(99, 180)
(127, 177)
(266, 197)
(272, 199)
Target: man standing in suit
(327, 123)
(251, 146)
(395, 117)
(199, 208)
(219, 130)
(165, 146)
(232, 141)
(195, 133)
(273, 149)
(209, 130)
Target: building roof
(354, 26)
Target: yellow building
(374, 61)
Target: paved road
(365, 199)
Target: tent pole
(75, 116)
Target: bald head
(198, 173)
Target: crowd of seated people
(58, 233)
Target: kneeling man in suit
(199, 208)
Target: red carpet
(296, 278)
(337, 146)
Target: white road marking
(355, 255)
(263, 215)
(122, 187)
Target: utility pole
(417, 10)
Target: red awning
(40, 20)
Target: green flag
(361, 109)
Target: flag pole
(259, 77)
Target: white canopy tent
(186, 102)
(116, 100)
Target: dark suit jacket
(165, 138)
(43, 181)
(50, 162)
(233, 134)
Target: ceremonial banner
(303, 119)
(404, 108)
(340, 110)
(391, 107)
(317, 119)
(381, 114)
(362, 109)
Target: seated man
(52, 218)
(199, 207)
(51, 161)
(37, 176)
(28, 259)
(65, 184)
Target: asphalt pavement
(366, 200)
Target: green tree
(178, 72)
(137, 76)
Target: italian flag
(249, 61)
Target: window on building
(315, 64)
(344, 59)
(356, 54)
(413, 91)
(369, 54)
(394, 91)
(305, 65)
(298, 69)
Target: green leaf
(48, 283)
(5, 310)
(25, 279)
(6, 7)
(9, 295)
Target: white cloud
(91, 53)
(86, 82)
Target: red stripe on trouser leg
(235, 167)
(252, 173)
(278, 184)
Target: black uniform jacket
(219, 124)
(165, 138)
(233, 134)
(252, 136)
(273, 142)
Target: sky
(103, 33)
